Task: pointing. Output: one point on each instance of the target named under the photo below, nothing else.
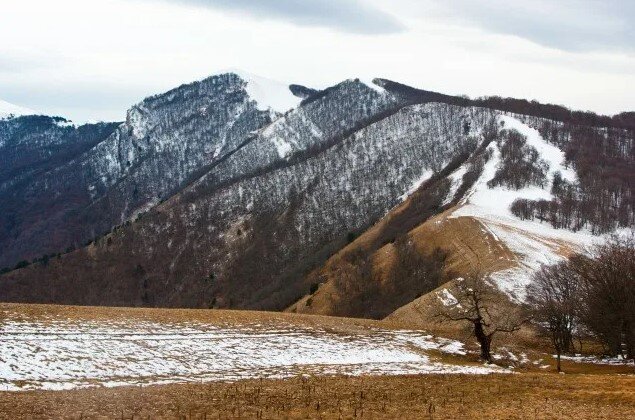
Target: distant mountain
(165, 142)
(10, 110)
(239, 192)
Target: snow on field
(61, 354)
(534, 242)
(578, 358)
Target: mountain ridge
(245, 225)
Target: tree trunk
(629, 341)
(483, 340)
(558, 367)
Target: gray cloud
(343, 15)
(81, 102)
(13, 62)
(570, 25)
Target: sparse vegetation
(529, 395)
(554, 296)
(364, 291)
(594, 293)
(478, 303)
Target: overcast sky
(90, 60)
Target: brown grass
(586, 391)
(219, 317)
(466, 241)
(430, 396)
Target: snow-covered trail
(62, 354)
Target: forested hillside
(209, 197)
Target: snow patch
(548, 152)
(456, 179)
(269, 94)
(447, 298)
(417, 183)
(533, 242)
(371, 84)
(66, 123)
(56, 353)
(578, 358)
(283, 147)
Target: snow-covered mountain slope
(474, 228)
(219, 200)
(533, 242)
(214, 127)
(8, 109)
(166, 140)
(268, 93)
(317, 124)
(247, 241)
(29, 144)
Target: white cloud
(92, 60)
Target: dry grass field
(526, 395)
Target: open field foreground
(528, 395)
(87, 362)
(64, 347)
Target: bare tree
(553, 297)
(478, 303)
(608, 294)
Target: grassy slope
(42, 313)
(464, 238)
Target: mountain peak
(8, 109)
(268, 93)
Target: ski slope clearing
(59, 352)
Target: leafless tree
(554, 297)
(608, 294)
(478, 303)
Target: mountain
(166, 141)
(32, 148)
(8, 109)
(237, 192)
